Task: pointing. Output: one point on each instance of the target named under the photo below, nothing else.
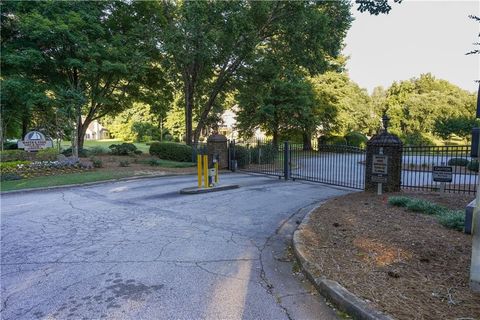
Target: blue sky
(416, 37)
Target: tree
(460, 126)
(208, 43)
(96, 57)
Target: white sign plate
(380, 164)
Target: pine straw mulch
(405, 264)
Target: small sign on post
(442, 174)
(379, 170)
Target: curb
(332, 290)
(196, 190)
(86, 184)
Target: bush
(12, 164)
(417, 139)
(423, 206)
(97, 163)
(172, 151)
(242, 155)
(332, 140)
(453, 219)
(356, 139)
(263, 154)
(398, 201)
(9, 176)
(461, 162)
(473, 165)
(10, 145)
(97, 150)
(124, 163)
(13, 155)
(82, 153)
(48, 154)
(124, 149)
(153, 162)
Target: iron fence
(339, 165)
(418, 163)
(261, 156)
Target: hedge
(172, 151)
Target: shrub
(172, 151)
(332, 140)
(417, 139)
(356, 139)
(242, 155)
(10, 145)
(13, 155)
(48, 154)
(263, 154)
(82, 153)
(461, 162)
(453, 219)
(423, 206)
(97, 163)
(12, 164)
(97, 150)
(153, 162)
(9, 176)
(124, 149)
(473, 165)
(399, 201)
(124, 163)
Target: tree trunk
(81, 131)
(307, 142)
(24, 126)
(275, 139)
(188, 91)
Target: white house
(96, 131)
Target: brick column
(217, 148)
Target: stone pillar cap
(217, 138)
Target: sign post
(380, 170)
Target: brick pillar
(217, 148)
(391, 146)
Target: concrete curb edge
(332, 290)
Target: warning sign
(442, 174)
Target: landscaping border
(332, 290)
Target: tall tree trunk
(275, 139)
(307, 141)
(25, 124)
(81, 131)
(188, 91)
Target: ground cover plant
(452, 219)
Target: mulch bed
(404, 263)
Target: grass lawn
(106, 143)
(173, 164)
(64, 179)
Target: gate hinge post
(286, 160)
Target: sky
(415, 37)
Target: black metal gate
(330, 164)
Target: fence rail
(418, 163)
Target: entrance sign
(379, 179)
(35, 141)
(442, 174)
(380, 164)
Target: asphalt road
(140, 250)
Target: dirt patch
(404, 263)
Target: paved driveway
(139, 250)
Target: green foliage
(453, 219)
(460, 126)
(172, 151)
(124, 149)
(461, 162)
(12, 164)
(333, 140)
(97, 150)
(10, 145)
(13, 155)
(82, 153)
(167, 163)
(123, 163)
(9, 176)
(473, 165)
(263, 154)
(417, 139)
(97, 163)
(398, 201)
(242, 155)
(356, 139)
(48, 154)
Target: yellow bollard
(216, 170)
(199, 170)
(205, 171)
